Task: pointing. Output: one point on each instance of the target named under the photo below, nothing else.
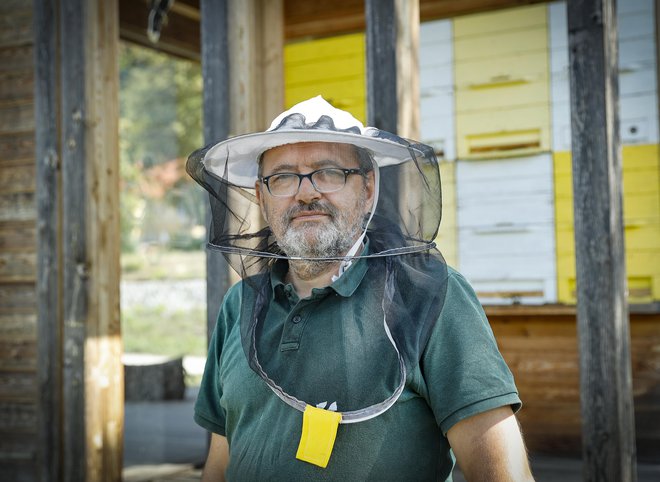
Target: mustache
(313, 206)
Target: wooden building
(497, 116)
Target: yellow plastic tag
(319, 431)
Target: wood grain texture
(16, 146)
(606, 382)
(43, 147)
(100, 271)
(217, 118)
(75, 269)
(15, 24)
(319, 19)
(542, 352)
(18, 345)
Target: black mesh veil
(404, 284)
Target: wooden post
(381, 31)
(246, 39)
(104, 374)
(49, 308)
(256, 43)
(74, 231)
(605, 372)
(393, 81)
(215, 71)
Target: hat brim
(236, 158)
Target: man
(349, 350)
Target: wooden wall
(18, 312)
(542, 351)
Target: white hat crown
(313, 110)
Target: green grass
(155, 330)
(157, 263)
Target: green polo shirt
(332, 347)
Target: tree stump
(153, 377)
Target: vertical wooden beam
(392, 28)
(407, 66)
(272, 58)
(49, 309)
(75, 268)
(605, 372)
(215, 71)
(381, 32)
(256, 43)
(104, 393)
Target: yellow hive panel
(503, 132)
(502, 97)
(502, 83)
(641, 207)
(332, 67)
(447, 235)
(500, 21)
(506, 44)
(306, 51)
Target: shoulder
(461, 296)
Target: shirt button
(296, 319)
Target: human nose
(306, 191)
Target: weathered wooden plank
(43, 146)
(18, 354)
(16, 446)
(20, 470)
(606, 381)
(16, 59)
(17, 178)
(18, 267)
(17, 207)
(8, 6)
(381, 32)
(18, 386)
(75, 270)
(17, 298)
(18, 236)
(18, 417)
(18, 325)
(16, 26)
(16, 85)
(16, 117)
(179, 36)
(318, 19)
(103, 371)
(15, 146)
(217, 118)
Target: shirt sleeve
(209, 412)
(462, 367)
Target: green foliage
(163, 332)
(160, 121)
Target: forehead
(309, 154)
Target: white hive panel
(559, 83)
(437, 87)
(637, 74)
(505, 217)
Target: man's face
(310, 223)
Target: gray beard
(333, 239)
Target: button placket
(293, 328)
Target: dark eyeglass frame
(347, 172)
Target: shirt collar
(345, 286)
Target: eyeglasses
(324, 181)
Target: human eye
(329, 178)
(282, 182)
